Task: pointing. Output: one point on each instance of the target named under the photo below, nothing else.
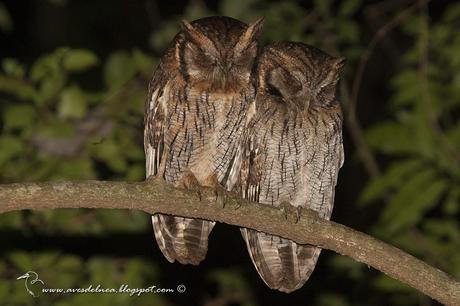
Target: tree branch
(155, 196)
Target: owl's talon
(298, 214)
(190, 182)
(287, 208)
(220, 194)
(238, 206)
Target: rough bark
(155, 196)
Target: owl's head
(217, 53)
(299, 74)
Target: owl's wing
(251, 168)
(181, 239)
(154, 123)
(282, 264)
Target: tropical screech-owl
(195, 114)
(293, 152)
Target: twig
(156, 197)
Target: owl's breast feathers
(300, 153)
(204, 132)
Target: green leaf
(12, 220)
(119, 69)
(48, 65)
(452, 13)
(10, 147)
(349, 7)
(121, 221)
(391, 138)
(143, 62)
(444, 229)
(19, 116)
(75, 169)
(18, 88)
(413, 199)
(50, 87)
(353, 269)
(406, 87)
(109, 152)
(56, 128)
(388, 284)
(451, 205)
(12, 68)
(21, 260)
(135, 173)
(228, 279)
(77, 60)
(73, 103)
(349, 31)
(393, 177)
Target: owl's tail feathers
(283, 264)
(182, 239)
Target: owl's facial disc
(219, 62)
(287, 85)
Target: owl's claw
(288, 208)
(196, 189)
(238, 206)
(285, 208)
(298, 214)
(190, 182)
(220, 194)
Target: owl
(293, 152)
(195, 114)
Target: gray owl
(195, 115)
(293, 152)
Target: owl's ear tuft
(250, 35)
(186, 26)
(336, 68)
(253, 30)
(200, 40)
(328, 88)
(339, 64)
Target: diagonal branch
(158, 197)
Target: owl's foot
(287, 208)
(220, 192)
(221, 195)
(190, 182)
(238, 206)
(298, 214)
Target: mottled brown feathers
(269, 125)
(195, 115)
(293, 153)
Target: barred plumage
(195, 115)
(293, 152)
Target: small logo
(181, 288)
(31, 278)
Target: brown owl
(195, 115)
(293, 152)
